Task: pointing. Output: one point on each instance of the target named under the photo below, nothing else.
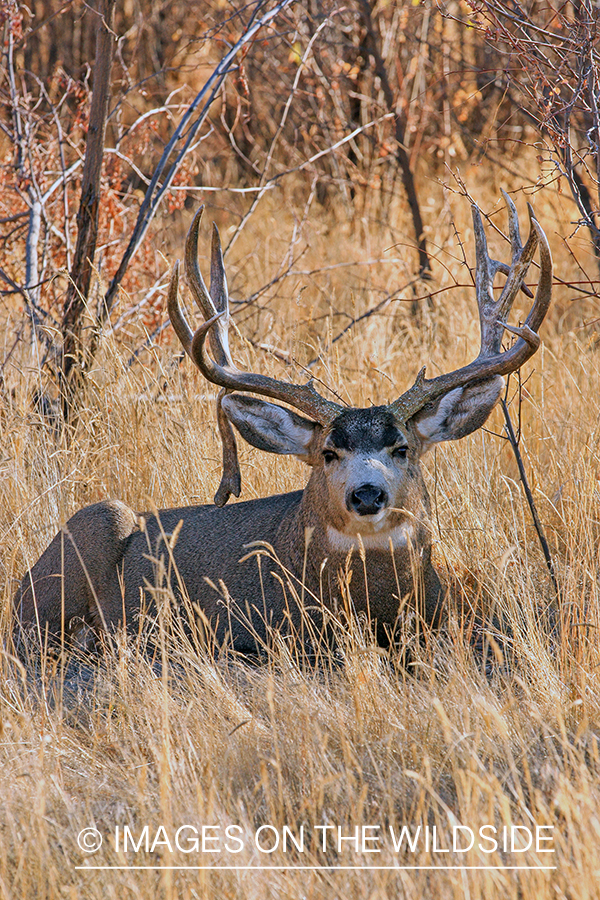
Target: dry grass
(118, 742)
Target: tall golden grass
(113, 741)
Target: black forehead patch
(369, 430)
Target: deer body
(213, 557)
(258, 565)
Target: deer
(364, 509)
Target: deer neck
(315, 529)
(378, 569)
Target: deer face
(366, 475)
(367, 465)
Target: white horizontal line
(319, 868)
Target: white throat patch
(400, 536)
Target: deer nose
(366, 500)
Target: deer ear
(270, 427)
(458, 413)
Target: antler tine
(514, 230)
(218, 278)
(515, 241)
(492, 313)
(178, 320)
(231, 478)
(217, 301)
(491, 361)
(521, 260)
(543, 294)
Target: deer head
(365, 461)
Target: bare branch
(186, 131)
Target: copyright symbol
(89, 840)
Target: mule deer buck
(365, 503)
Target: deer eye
(329, 456)
(399, 452)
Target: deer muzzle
(367, 500)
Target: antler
(221, 370)
(231, 480)
(493, 314)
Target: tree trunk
(87, 216)
(372, 45)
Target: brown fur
(108, 563)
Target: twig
(147, 344)
(266, 183)
(532, 507)
(187, 128)
(366, 315)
